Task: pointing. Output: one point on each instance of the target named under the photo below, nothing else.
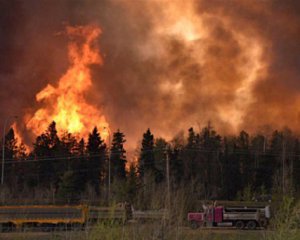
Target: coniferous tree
(80, 166)
(273, 158)
(244, 158)
(68, 144)
(146, 168)
(11, 150)
(231, 170)
(117, 157)
(160, 151)
(31, 171)
(146, 160)
(96, 150)
(10, 145)
(118, 167)
(210, 145)
(176, 159)
(176, 164)
(21, 166)
(276, 154)
(260, 163)
(296, 167)
(191, 156)
(288, 156)
(193, 166)
(132, 184)
(47, 155)
(68, 188)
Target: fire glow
(65, 103)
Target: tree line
(210, 166)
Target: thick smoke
(168, 64)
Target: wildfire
(66, 103)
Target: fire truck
(240, 217)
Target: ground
(141, 232)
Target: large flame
(65, 103)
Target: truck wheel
(251, 225)
(263, 223)
(239, 224)
(194, 225)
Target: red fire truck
(240, 217)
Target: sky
(167, 64)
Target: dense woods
(65, 169)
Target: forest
(204, 164)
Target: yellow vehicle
(67, 217)
(45, 217)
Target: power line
(87, 169)
(196, 150)
(183, 150)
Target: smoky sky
(152, 77)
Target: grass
(153, 231)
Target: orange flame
(18, 137)
(66, 103)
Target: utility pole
(3, 151)
(265, 143)
(283, 166)
(168, 179)
(168, 212)
(109, 168)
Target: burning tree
(66, 103)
